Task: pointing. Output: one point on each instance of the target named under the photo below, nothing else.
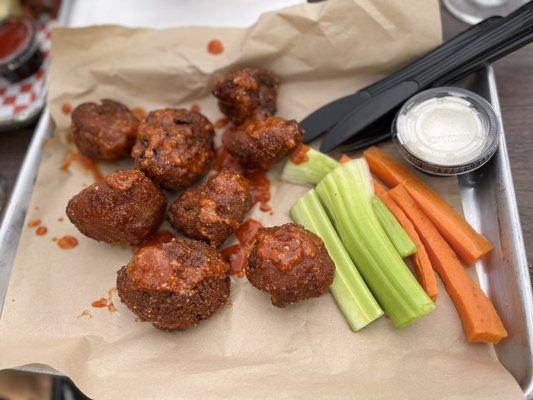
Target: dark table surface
(515, 85)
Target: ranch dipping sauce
(446, 131)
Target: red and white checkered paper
(26, 94)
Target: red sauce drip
(299, 154)
(100, 303)
(139, 112)
(60, 219)
(84, 162)
(195, 107)
(221, 123)
(237, 255)
(156, 238)
(224, 161)
(260, 190)
(42, 230)
(237, 258)
(103, 302)
(13, 34)
(246, 232)
(54, 239)
(66, 108)
(32, 223)
(215, 47)
(67, 242)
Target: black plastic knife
(327, 116)
(507, 31)
(381, 130)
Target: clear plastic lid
(446, 131)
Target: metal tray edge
(19, 200)
(512, 216)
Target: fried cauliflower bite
(212, 211)
(174, 285)
(290, 263)
(260, 142)
(125, 208)
(244, 93)
(105, 131)
(174, 147)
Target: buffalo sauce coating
(85, 162)
(237, 255)
(299, 154)
(215, 47)
(176, 266)
(284, 250)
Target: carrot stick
(480, 320)
(386, 168)
(469, 245)
(344, 159)
(424, 270)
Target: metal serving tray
(489, 204)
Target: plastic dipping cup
(20, 56)
(446, 131)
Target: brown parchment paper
(250, 349)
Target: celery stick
(311, 171)
(346, 194)
(395, 232)
(348, 289)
